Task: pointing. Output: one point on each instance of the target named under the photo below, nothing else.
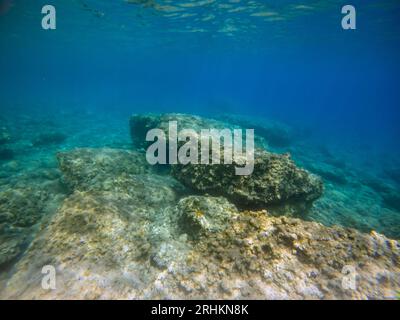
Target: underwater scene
(199, 149)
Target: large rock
(275, 180)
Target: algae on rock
(85, 167)
(100, 254)
(275, 180)
(199, 214)
(20, 210)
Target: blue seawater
(287, 61)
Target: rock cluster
(129, 231)
(275, 181)
(143, 237)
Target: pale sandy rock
(84, 167)
(100, 253)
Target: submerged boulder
(275, 180)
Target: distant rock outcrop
(276, 134)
